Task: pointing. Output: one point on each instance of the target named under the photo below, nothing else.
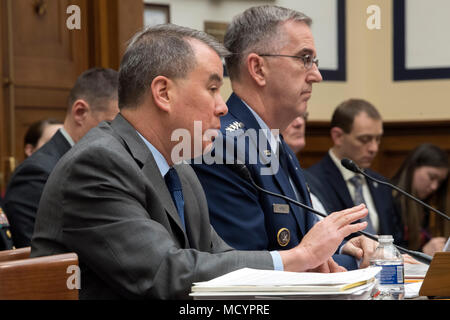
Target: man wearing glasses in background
(272, 69)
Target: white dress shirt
(347, 175)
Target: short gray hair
(255, 30)
(162, 50)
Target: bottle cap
(385, 238)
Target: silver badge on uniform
(280, 208)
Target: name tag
(281, 208)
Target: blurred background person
(356, 132)
(425, 174)
(93, 98)
(39, 133)
(294, 134)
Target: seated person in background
(356, 130)
(294, 136)
(137, 221)
(270, 88)
(91, 100)
(5, 232)
(424, 174)
(39, 133)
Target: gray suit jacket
(107, 201)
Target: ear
(256, 68)
(80, 110)
(162, 89)
(337, 135)
(28, 149)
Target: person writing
(424, 174)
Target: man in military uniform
(5, 232)
(272, 70)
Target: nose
(314, 74)
(434, 185)
(221, 107)
(373, 146)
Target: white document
(415, 271)
(412, 289)
(247, 279)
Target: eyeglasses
(307, 59)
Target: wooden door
(41, 58)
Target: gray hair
(256, 30)
(162, 50)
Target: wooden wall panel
(46, 52)
(41, 59)
(47, 59)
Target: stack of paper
(267, 283)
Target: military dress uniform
(6, 242)
(244, 217)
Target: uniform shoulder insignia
(3, 218)
(235, 125)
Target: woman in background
(39, 133)
(425, 174)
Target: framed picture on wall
(156, 14)
(421, 46)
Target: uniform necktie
(174, 185)
(359, 198)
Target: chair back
(43, 278)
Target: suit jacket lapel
(337, 182)
(144, 158)
(60, 142)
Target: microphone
(243, 171)
(350, 165)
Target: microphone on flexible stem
(243, 171)
(350, 165)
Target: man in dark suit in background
(272, 71)
(92, 99)
(356, 131)
(137, 221)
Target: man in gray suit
(139, 222)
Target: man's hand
(361, 248)
(320, 243)
(434, 245)
(330, 266)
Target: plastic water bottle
(391, 278)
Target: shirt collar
(67, 136)
(346, 174)
(161, 162)
(273, 140)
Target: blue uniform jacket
(244, 217)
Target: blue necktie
(359, 198)
(174, 185)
